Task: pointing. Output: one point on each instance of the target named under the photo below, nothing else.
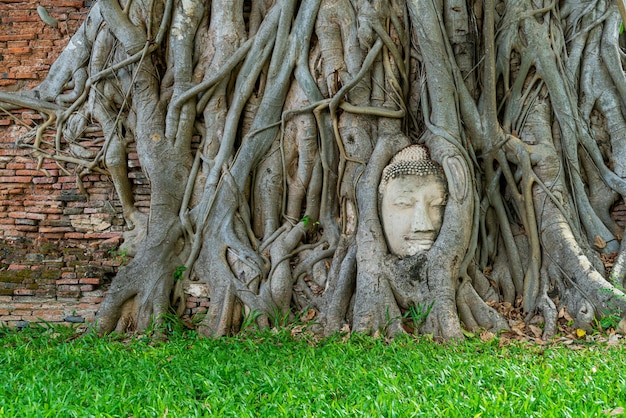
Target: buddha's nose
(421, 220)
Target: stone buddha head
(412, 196)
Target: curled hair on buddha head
(413, 160)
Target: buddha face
(412, 208)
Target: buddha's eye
(402, 203)
(438, 202)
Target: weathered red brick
(47, 229)
(21, 35)
(16, 166)
(21, 312)
(16, 179)
(11, 202)
(26, 228)
(63, 3)
(48, 314)
(13, 43)
(18, 266)
(11, 233)
(102, 235)
(24, 292)
(15, 51)
(28, 173)
(27, 306)
(44, 180)
(91, 300)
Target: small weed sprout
(417, 314)
(306, 220)
(178, 273)
(278, 318)
(120, 254)
(610, 321)
(611, 318)
(173, 325)
(249, 318)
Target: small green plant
(417, 314)
(178, 273)
(173, 325)
(48, 248)
(616, 286)
(197, 318)
(610, 321)
(613, 316)
(249, 318)
(164, 326)
(306, 220)
(120, 254)
(278, 318)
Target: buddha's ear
(457, 176)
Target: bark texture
(264, 127)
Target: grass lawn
(50, 372)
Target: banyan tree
(271, 132)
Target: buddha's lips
(422, 238)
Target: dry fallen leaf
(345, 329)
(310, 315)
(599, 242)
(564, 314)
(614, 339)
(297, 330)
(517, 327)
(535, 330)
(504, 340)
(617, 411)
(486, 336)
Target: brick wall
(57, 245)
(52, 281)
(27, 45)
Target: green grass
(50, 373)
